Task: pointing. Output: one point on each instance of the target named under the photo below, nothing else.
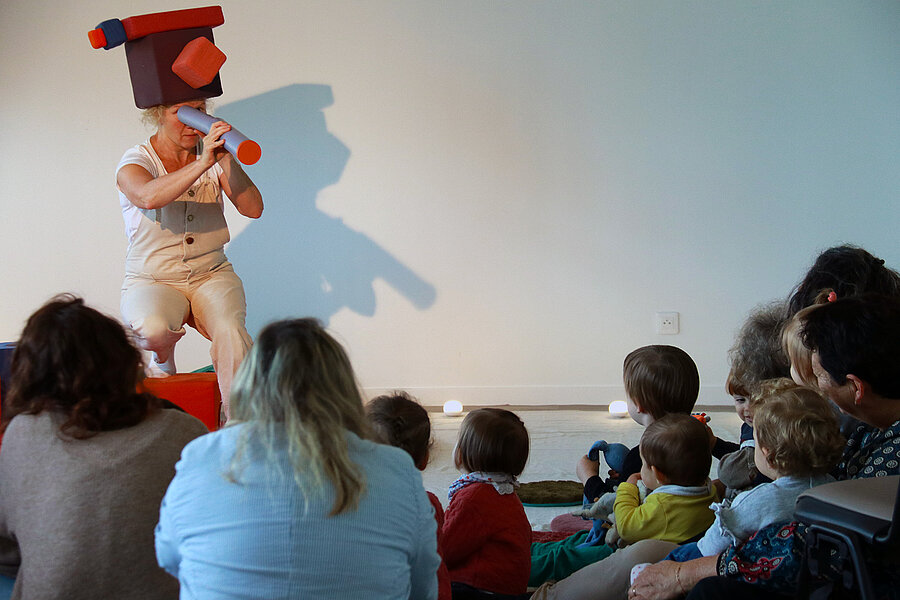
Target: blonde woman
(170, 192)
(293, 500)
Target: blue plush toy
(614, 454)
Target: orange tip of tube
(97, 38)
(248, 152)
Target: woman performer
(170, 190)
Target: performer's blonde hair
(152, 116)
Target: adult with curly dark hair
(86, 460)
(849, 271)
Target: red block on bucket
(197, 393)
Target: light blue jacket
(754, 509)
(258, 539)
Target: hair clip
(832, 296)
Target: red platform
(197, 393)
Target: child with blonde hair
(486, 535)
(792, 342)
(397, 419)
(798, 442)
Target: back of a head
(296, 370)
(849, 271)
(75, 360)
(492, 440)
(398, 420)
(859, 336)
(757, 353)
(797, 427)
(678, 446)
(297, 378)
(662, 380)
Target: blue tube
(244, 149)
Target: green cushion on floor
(551, 493)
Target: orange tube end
(97, 38)
(248, 152)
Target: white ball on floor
(453, 408)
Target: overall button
(191, 193)
(190, 217)
(188, 240)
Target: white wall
(486, 200)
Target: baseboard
(589, 397)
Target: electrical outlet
(667, 323)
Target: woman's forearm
(693, 571)
(240, 189)
(145, 191)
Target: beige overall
(176, 273)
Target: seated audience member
(294, 500)
(85, 461)
(848, 271)
(755, 357)
(659, 380)
(486, 535)
(855, 344)
(676, 462)
(798, 442)
(397, 419)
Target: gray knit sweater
(77, 516)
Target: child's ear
(765, 453)
(660, 476)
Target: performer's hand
(213, 144)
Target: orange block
(197, 393)
(199, 62)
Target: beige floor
(558, 439)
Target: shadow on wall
(296, 260)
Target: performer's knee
(155, 333)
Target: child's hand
(635, 477)
(594, 452)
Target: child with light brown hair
(676, 461)
(487, 536)
(659, 380)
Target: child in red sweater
(398, 420)
(486, 536)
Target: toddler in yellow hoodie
(676, 462)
